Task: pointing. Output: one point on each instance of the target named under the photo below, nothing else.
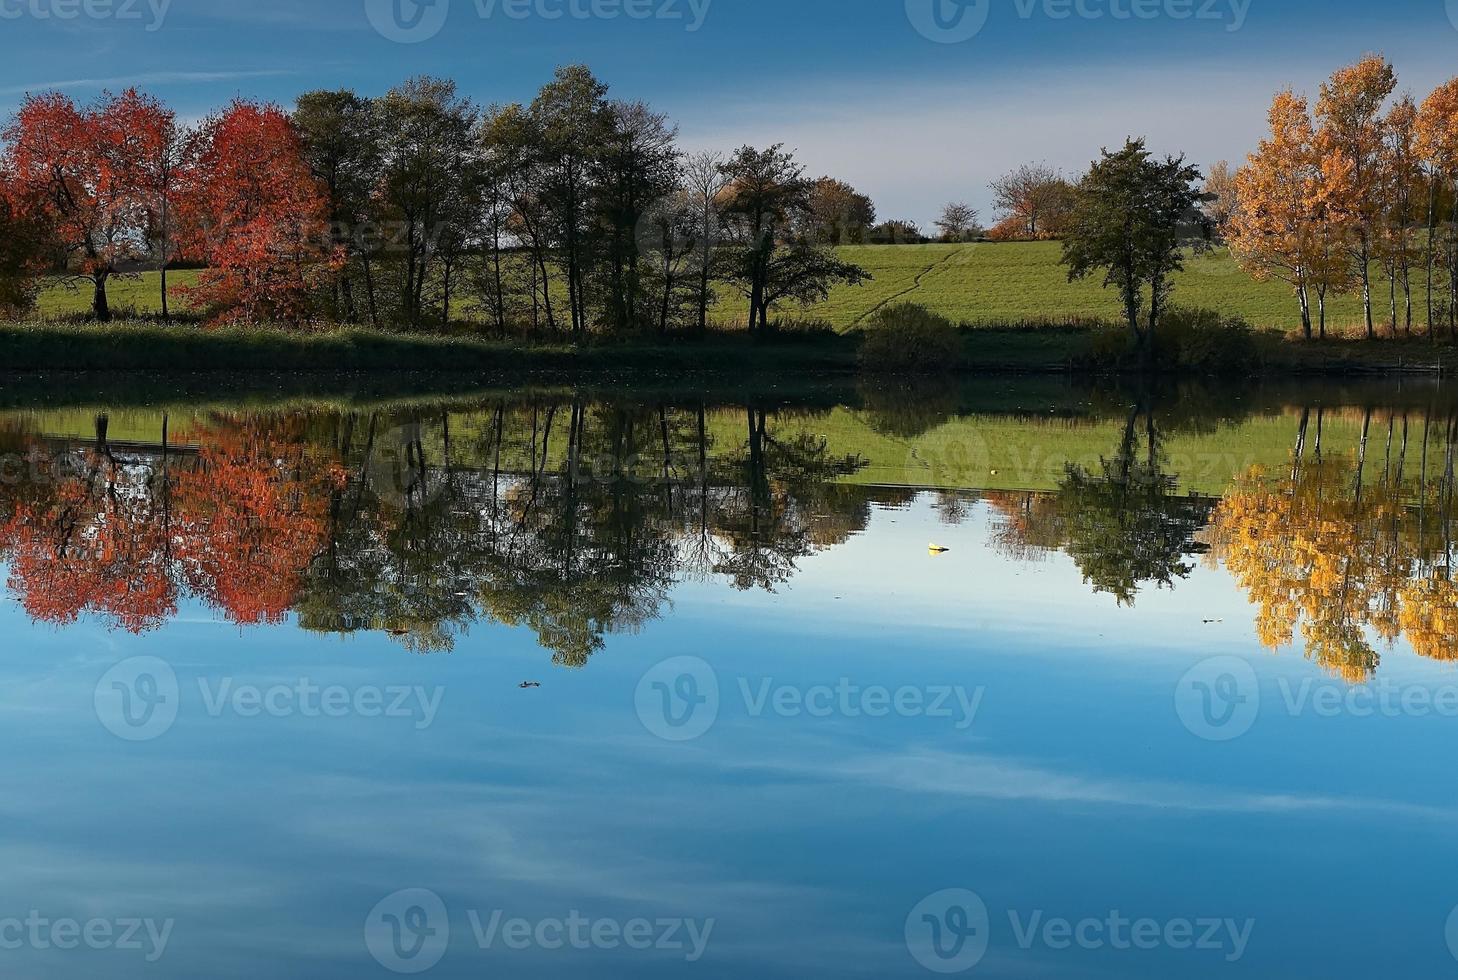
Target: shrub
(1207, 342)
(1195, 341)
(909, 337)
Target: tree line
(579, 213)
(572, 213)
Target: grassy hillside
(1001, 284)
(978, 284)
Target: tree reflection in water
(570, 518)
(576, 518)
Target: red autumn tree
(145, 145)
(93, 543)
(24, 245)
(80, 167)
(252, 513)
(257, 216)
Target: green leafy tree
(1131, 220)
(341, 139)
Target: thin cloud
(146, 78)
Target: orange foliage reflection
(234, 524)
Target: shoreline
(32, 350)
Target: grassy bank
(145, 346)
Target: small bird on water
(937, 549)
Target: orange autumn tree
(1401, 177)
(92, 541)
(1429, 616)
(235, 525)
(1352, 133)
(80, 167)
(1340, 545)
(1298, 546)
(252, 513)
(257, 216)
(1437, 144)
(1272, 233)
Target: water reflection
(571, 519)
(1347, 547)
(576, 518)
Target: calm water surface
(1020, 681)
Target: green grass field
(979, 284)
(1019, 282)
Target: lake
(992, 679)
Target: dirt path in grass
(915, 285)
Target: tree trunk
(100, 308)
(1453, 270)
(166, 249)
(1430, 254)
(446, 295)
(496, 263)
(370, 289)
(346, 288)
(1392, 297)
(1366, 261)
(705, 277)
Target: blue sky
(852, 84)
